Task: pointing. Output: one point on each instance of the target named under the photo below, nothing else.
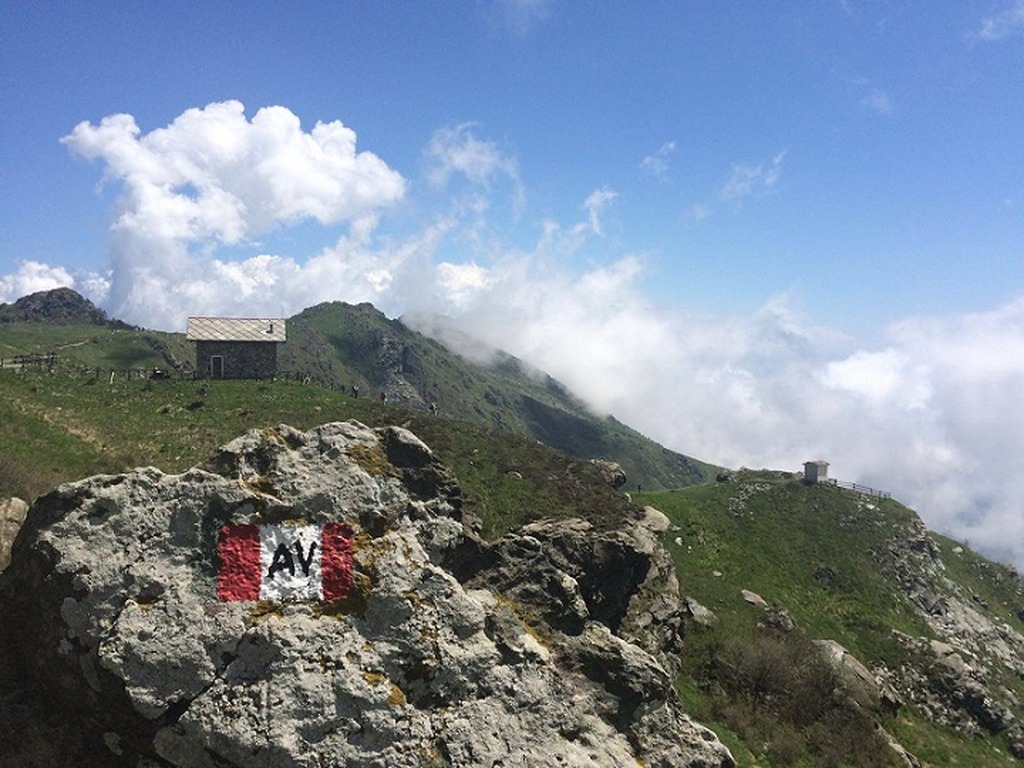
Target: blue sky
(760, 233)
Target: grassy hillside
(58, 428)
(806, 548)
(821, 554)
(80, 346)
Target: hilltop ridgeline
(356, 349)
(59, 306)
(345, 345)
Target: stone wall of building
(241, 359)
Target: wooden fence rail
(110, 375)
(53, 364)
(50, 361)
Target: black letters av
(283, 559)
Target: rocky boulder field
(318, 599)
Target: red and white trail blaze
(285, 562)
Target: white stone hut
(815, 471)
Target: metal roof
(235, 329)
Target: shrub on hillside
(786, 700)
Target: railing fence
(863, 489)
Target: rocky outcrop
(860, 684)
(611, 472)
(59, 306)
(393, 357)
(955, 691)
(569, 573)
(954, 681)
(130, 639)
(12, 515)
(952, 613)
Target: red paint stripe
(240, 572)
(336, 561)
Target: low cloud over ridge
(934, 413)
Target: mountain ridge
(357, 349)
(344, 345)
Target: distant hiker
(433, 409)
(383, 397)
(355, 391)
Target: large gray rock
(611, 472)
(119, 650)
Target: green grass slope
(57, 428)
(79, 346)
(821, 554)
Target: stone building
(816, 471)
(236, 347)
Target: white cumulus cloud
(213, 177)
(882, 378)
(934, 416)
(595, 204)
(457, 150)
(657, 163)
(33, 276)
